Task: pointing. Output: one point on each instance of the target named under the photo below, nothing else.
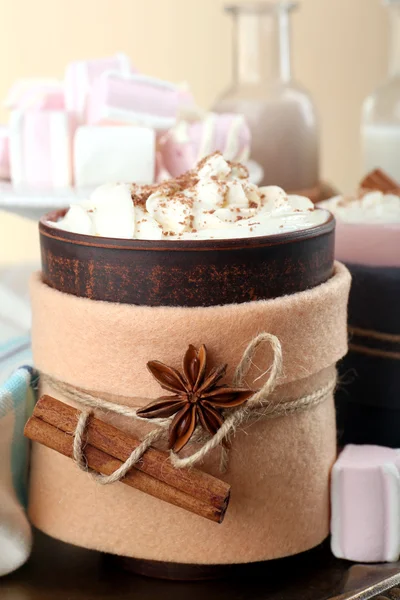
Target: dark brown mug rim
(180, 245)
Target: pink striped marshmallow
(80, 76)
(4, 153)
(132, 99)
(183, 146)
(44, 94)
(41, 148)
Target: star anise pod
(196, 399)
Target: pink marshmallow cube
(161, 173)
(4, 153)
(188, 109)
(117, 98)
(35, 93)
(42, 97)
(41, 148)
(365, 495)
(185, 145)
(80, 75)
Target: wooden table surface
(58, 571)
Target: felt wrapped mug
(96, 325)
(368, 406)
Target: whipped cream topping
(366, 207)
(214, 201)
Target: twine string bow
(258, 405)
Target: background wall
(339, 52)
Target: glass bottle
(380, 120)
(280, 113)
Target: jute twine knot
(258, 405)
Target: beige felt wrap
(278, 469)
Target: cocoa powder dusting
(175, 187)
(169, 188)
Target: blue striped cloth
(14, 353)
(17, 398)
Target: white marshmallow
(77, 220)
(113, 154)
(146, 228)
(365, 495)
(113, 211)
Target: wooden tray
(58, 571)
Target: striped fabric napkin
(14, 353)
(17, 397)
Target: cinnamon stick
(120, 445)
(378, 180)
(108, 447)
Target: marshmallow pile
(214, 201)
(105, 122)
(366, 207)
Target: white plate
(33, 204)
